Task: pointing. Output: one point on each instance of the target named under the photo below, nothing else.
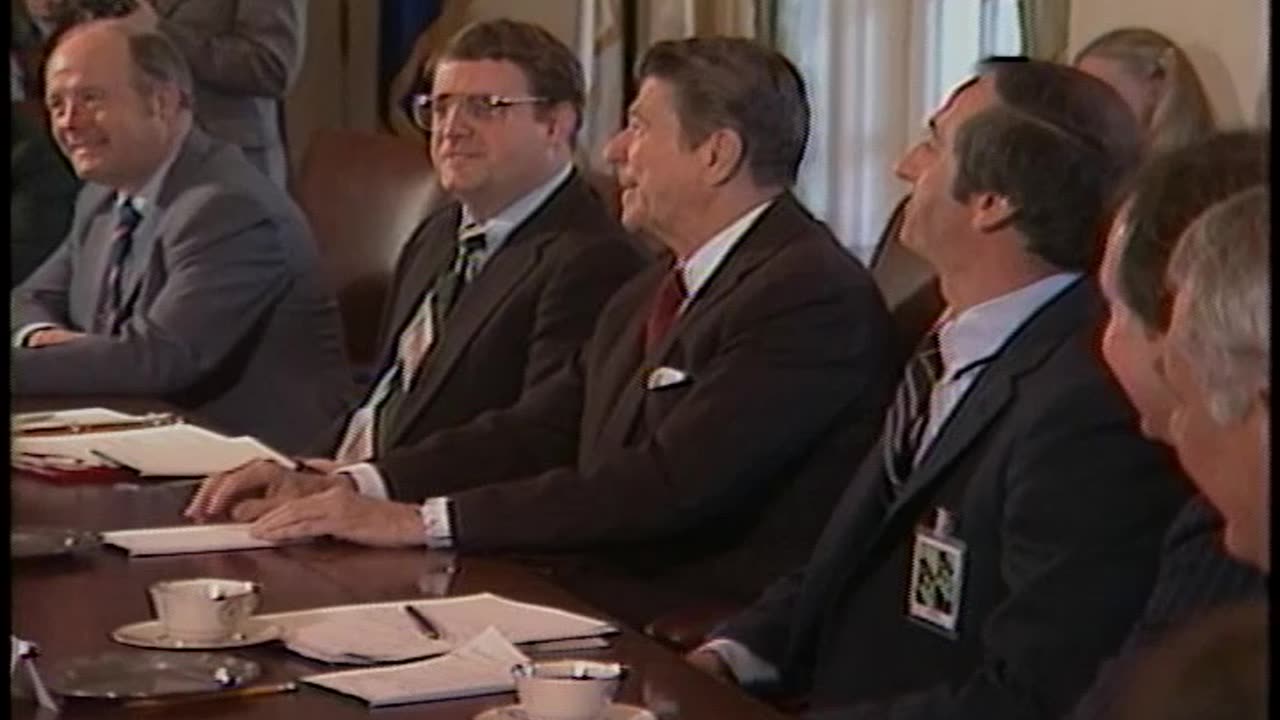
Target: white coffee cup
(567, 689)
(204, 609)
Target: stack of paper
(384, 632)
(149, 444)
(480, 667)
(185, 539)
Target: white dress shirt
(968, 343)
(696, 271)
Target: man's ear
(561, 118)
(165, 101)
(991, 212)
(722, 153)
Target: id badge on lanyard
(936, 584)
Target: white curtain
(600, 50)
(869, 83)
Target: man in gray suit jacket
(244, 57)
(186, 274)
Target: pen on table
(244, 692)
(427, 627)
(122, 465)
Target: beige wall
(1226, 39)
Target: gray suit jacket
(225, 310)
(244, 57)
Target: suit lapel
(771, 232)
(145, 237)
(503, 272)
(97, 249)
(993, 390)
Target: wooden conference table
(68, 606)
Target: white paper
(482, 666)
(184, 539)
(78, 416)
(335, 634)
(366, 635)
(179, 449)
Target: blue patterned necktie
(127, 219)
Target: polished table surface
(67, 606)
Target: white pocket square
(665, 377)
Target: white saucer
(616, 711)
(150, 634)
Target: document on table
(185, 539)
(482, 666)
(170, 449)
(384, 632)
(81, 417)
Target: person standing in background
(1156, 80)
(244, 57)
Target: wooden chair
(908, 284)
(364, 194)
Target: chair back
(364, 194)
(908, 283)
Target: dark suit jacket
(711, 484)
(518, 322)
(42, 195)
(227, 314)
(244, 57)
(1196, 576)
(1061, 504)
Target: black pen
(427, 627)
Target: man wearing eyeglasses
(494, 292)
(695, 446)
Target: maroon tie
(666, 305)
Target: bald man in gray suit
(186, 275)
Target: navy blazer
(1061, 505)
(1196, 576)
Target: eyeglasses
(429, 112)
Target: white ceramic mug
(567, 689)
(204, 609)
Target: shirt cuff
(368, 480)
(747, 667)
(437, 522)
(25, 332)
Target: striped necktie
(909, 414)
(415, 341)
(127, 219)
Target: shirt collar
(980, 331)
(151, 189)
(697, 269)
(512, 216)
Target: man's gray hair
(1223, 264)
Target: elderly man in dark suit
(244, 57)
(1196, 575)
(510, 277)
(700, 438)
(186, 274)
(1002, 536)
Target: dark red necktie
(666, 306)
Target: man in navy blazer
(1011, 500)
